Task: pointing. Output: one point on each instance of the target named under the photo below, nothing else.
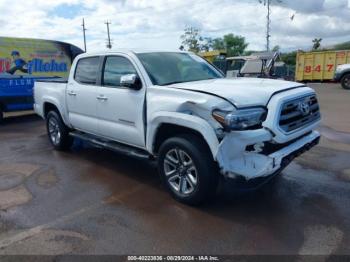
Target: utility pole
(268, 24)
(109, 43)
(84, 29)
(267, 3)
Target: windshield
(170, 68)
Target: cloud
(159, 23)
(311, 6)
(308, 6)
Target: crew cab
(178, 109)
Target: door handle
(102, 98)
(72, 93)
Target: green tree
(191, 39)
(289, 58)
(342, 46)
(206, 44)
(233, 44)
(317, 43)
(276, 48)
(219, 44)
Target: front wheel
(345, 81)
(58, 132)
(187, 169)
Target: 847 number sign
(309, 69)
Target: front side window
(115, 68)
(165, 68)
(87, 70)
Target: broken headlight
(241, 119)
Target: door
(81, 95)
(120, 109)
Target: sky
(158, 24)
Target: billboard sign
(34, 58)
(22, 61)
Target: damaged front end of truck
(249, 152)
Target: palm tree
(317, 43)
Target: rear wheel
(345, 81)
(187, 169)
(58, 132)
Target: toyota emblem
(304, 108)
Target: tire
(58, 132)
(345, 81)
(187, 161)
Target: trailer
(23, 61)
(319, 65)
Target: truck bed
(52, 88)
(53, 80)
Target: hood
(240, 91)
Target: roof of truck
(129, 52)
(133, 51)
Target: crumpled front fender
(234, 160)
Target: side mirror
(131, 81)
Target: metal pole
(268, 26)
(84, 29)
(109, 43)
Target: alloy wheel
(54, 131)
(181, 172)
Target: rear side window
(115, 68)
(86, 71)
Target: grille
(298, 113)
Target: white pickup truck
(176, 108)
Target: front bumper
(235, 161)
(337, 77)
